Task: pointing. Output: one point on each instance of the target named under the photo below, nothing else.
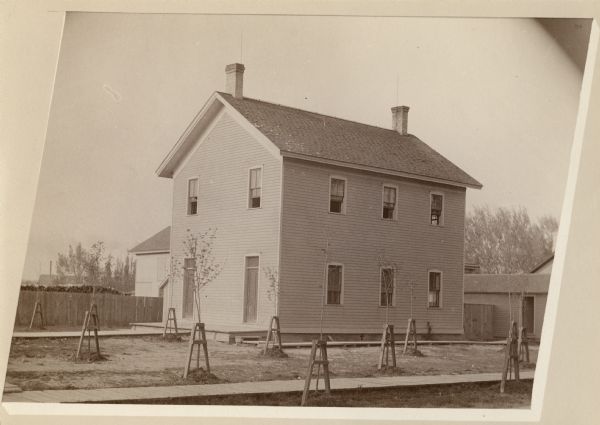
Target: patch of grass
(414, 352)
(89, 357)
(201, 376)
(274, 352)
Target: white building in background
(152, 264)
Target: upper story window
(435, 288)
(337, 195)
(192, 205)
(437, 205)
(389, 202)
(387, 287)
(334, 284)
(255, 189)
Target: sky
(498, 97)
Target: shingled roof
(324, 137)
(160, 242)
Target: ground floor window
(334, 284)
(387, 287)
(435, 288)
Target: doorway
(250, 289)
(528, 314)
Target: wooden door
(251, 289)
(189, 268)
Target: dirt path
(143, 361)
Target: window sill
(337, 213)
(384, 307)
(255, 208)
(391, 220)
(334, 305)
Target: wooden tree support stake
(171, 323)
(90, 323)
(321, 345)
(411, 334)
(37, 311)
(511, 356)
(387, 342)
(199, 341)
(523, 345)
(273, 334)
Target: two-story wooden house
(334, 205)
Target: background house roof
(503, 283)
(542, 263)
(160, 242)
(307, 133)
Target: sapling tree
(272, 274)
(199, 247)
(387, 270)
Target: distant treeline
(81, 266)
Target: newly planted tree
(387, 269)
(274, 331)
(170, 330)
(201, 268)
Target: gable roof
(160, 242)
(542, 263)
(504, 283)
(321, 136)
(312, 136)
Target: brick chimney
(234, 83)
(400, 119)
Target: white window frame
(395, 215)
(393, 285)
(441, 288)
(344, 202)
(441, 221)
(187, 196)
(249, 199)
(244, 268)
(327, 283)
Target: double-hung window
(435, 289)
(437, 203)
(334, 284)
(387, 287)
(192, 205)
(255, 189)
(389, 202)
(337, 195)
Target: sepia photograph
(309, 211)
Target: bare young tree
(199, 247)
(272, 274)
(387, 270)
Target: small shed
(519, 297)
(152, 263)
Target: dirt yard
(37, 364)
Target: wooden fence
(479, 322)
(68, 308)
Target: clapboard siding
(507, 309)
(150, 270)
(222, 162)
(357, 239)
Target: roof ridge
(320, 114)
